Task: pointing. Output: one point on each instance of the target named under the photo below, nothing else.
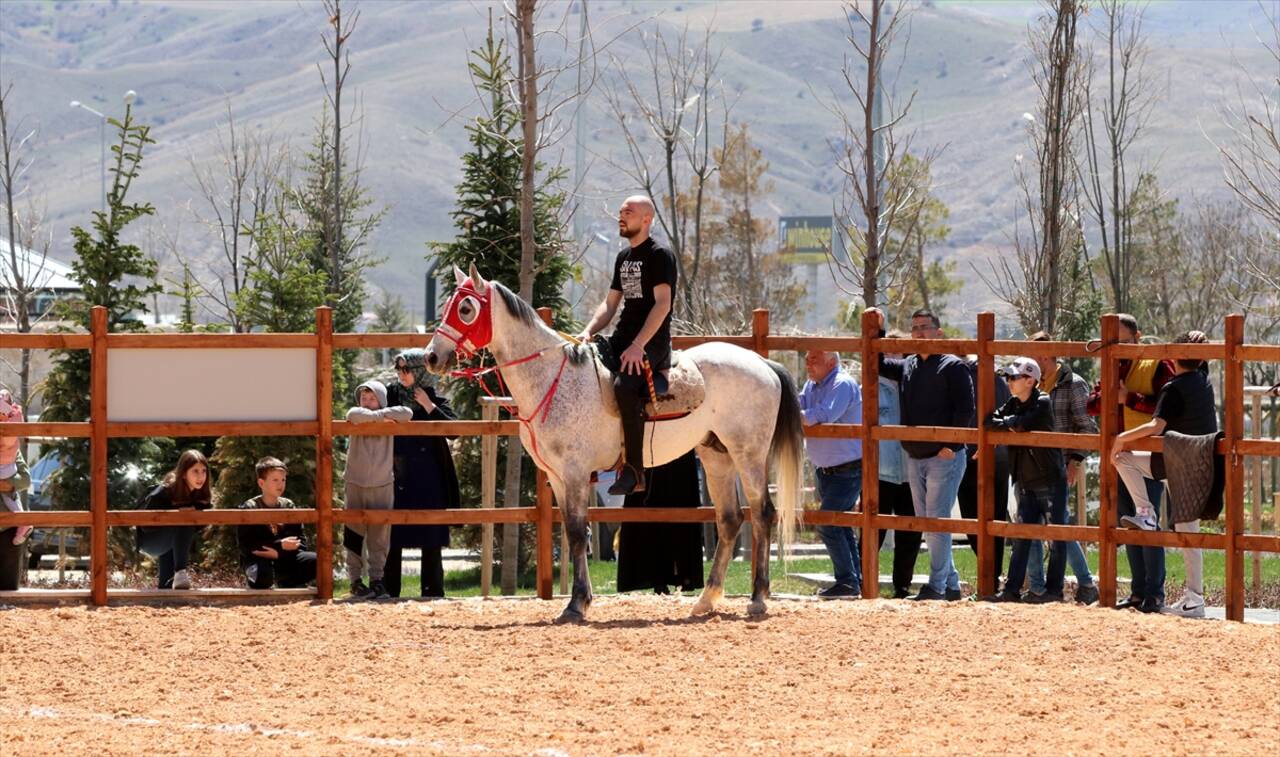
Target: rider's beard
(628, 232)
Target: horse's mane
(516, 306)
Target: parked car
(45, 540)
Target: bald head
(634, 219)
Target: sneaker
(1133, 601)
(841, 591)
(378, 591)
(359, 590)
(21, 534)
(1086, 595)
(1003, 595)
(182, 580)
(953, 595)
(1145, 522)
(1043, 599)
(927, 594)
(1149, 606)
(901, 592)
(1190, 606)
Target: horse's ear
(459, 276)
(477, 279)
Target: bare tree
(1114, 120)
(871, 143)
(342, 30)
(1032, 281)
(21, 275)
(237, 189)
(673, 119)
(1251, 160)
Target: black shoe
(1086, 595)
(1133, 601)
(1003, 596)
(953, 595)
(379, 591)
(629, 481)
(841, 591)
(359, 590)
(927, 594)
(1043, 599)
(901, 592)
(1150, 605)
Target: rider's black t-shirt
(636, 272)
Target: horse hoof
(702, 607)
(571, 617)
(756, 609)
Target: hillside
(187, 58)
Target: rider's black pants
(631, 391)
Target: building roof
(38, 271)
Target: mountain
(188, 59)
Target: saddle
(673, 394)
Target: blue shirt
(893, 463)
(835, 399)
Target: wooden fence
(1235, 541)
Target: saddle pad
(686, 389)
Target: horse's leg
(756, 486)
(573, 505)
(722, 485)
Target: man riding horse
(644, 279)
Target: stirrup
(619, 487)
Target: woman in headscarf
(425, 478)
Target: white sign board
(157, 385)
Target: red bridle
(468, 336)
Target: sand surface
(476, 676)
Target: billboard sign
(805, 240)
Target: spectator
(968, 494)
(369, 484)
(274, 553)
(11, 551)
(11, 412)
(895, 493)
(830, 395)
(425, 478)
(1068, 394)
(657, 555)
(1037, 473)
(936, 391)
(1140, 382)
(1185, 406)
(186, 487)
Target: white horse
(569, 423)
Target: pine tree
(488, 222)
(119, 277)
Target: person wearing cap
(1037, 472)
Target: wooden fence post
(1233, 415)
(1255, 501)
(986, 399)
(870, 459)
(1109, 424)
(324, 453)
(760, 332)
(99, 559)
(488, 494)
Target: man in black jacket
(1038, 474)
(936, 391)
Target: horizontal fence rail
(543, 516)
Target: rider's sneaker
(628, 482)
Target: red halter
(468, 321)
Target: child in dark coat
(274, 553)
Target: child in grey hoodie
(370, 486)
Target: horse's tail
(787, 451)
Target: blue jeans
(839, 492)
(1039, 505)
(934, 484)
(1075, 555)
(1146, 564)
(170, 546)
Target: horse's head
(466, 324)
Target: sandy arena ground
(473, 676)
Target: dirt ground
(476, 676)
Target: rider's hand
(584, 337)
(632, 358)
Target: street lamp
(129, 97)
(102, 145)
